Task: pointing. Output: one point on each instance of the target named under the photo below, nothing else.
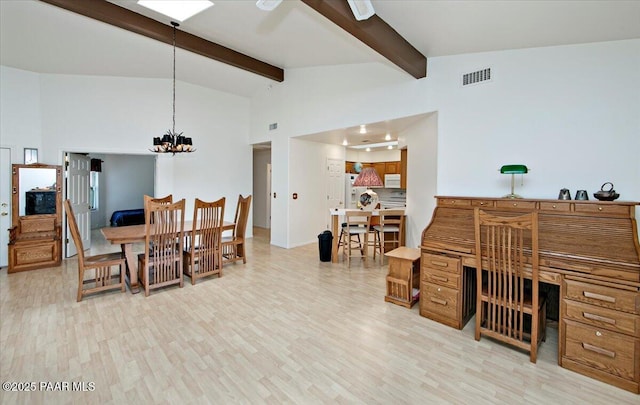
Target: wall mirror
(36, 190)
(37, 187)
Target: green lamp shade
(514, 169)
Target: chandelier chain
(174, 77)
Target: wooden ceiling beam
(375, 33)
(118, 16)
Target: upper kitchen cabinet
(348, 167)
(380, 169)
(392, 167)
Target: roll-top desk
(589, 248)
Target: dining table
(126, 236)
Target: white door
(268, 195)
(78, 171)
(5, 204)
(335, 186)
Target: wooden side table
(403, 279)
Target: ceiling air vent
(479, 76)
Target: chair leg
(80, 283)
(244, 254)
(380, 245)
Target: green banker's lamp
(513, 170)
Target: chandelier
(172, 142)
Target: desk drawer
(453, 202)
(438, 300)
(555, 206)
(603, 296)
(441, 262)
(602, 317)
(603, 209)
(444, 278)
(612, 352)
(482, 203)
(525, 205)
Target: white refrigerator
(351, 193)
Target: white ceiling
(38, 37)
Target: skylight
(177, 9)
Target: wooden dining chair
(161, 200)
(509, 307)
(233, 247)
(203, 250)
(161, 263)
(356, 232)
(103, 278)
(388, 232)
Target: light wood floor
(284, 328)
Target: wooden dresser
(588, 248)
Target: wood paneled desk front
(126, 236)
(336, 213)
(589, 248)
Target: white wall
(570, 113)
(261, 158)
(126, 180)
(317, 99)
(309, 213)
(116, 115)
(20, 115)
(422, 161)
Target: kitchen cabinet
(348, 167)
(380, 169)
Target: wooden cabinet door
(392, 167)
(380, 168)
(348, 167)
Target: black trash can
(324, 246)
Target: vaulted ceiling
(41, 37)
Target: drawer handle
(599, 297)
(599, 350)
(595, 317)
(515, 204)
(599, 208)
(441, 264)
(482, 203)
(554, 206)
(438, 301)
(440, 278)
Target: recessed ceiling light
(363, 129)
(390, 147)
(368, 149)
(345, 143)
(177, 9)
(387, 137)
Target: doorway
(118, 183)
(262, 185)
